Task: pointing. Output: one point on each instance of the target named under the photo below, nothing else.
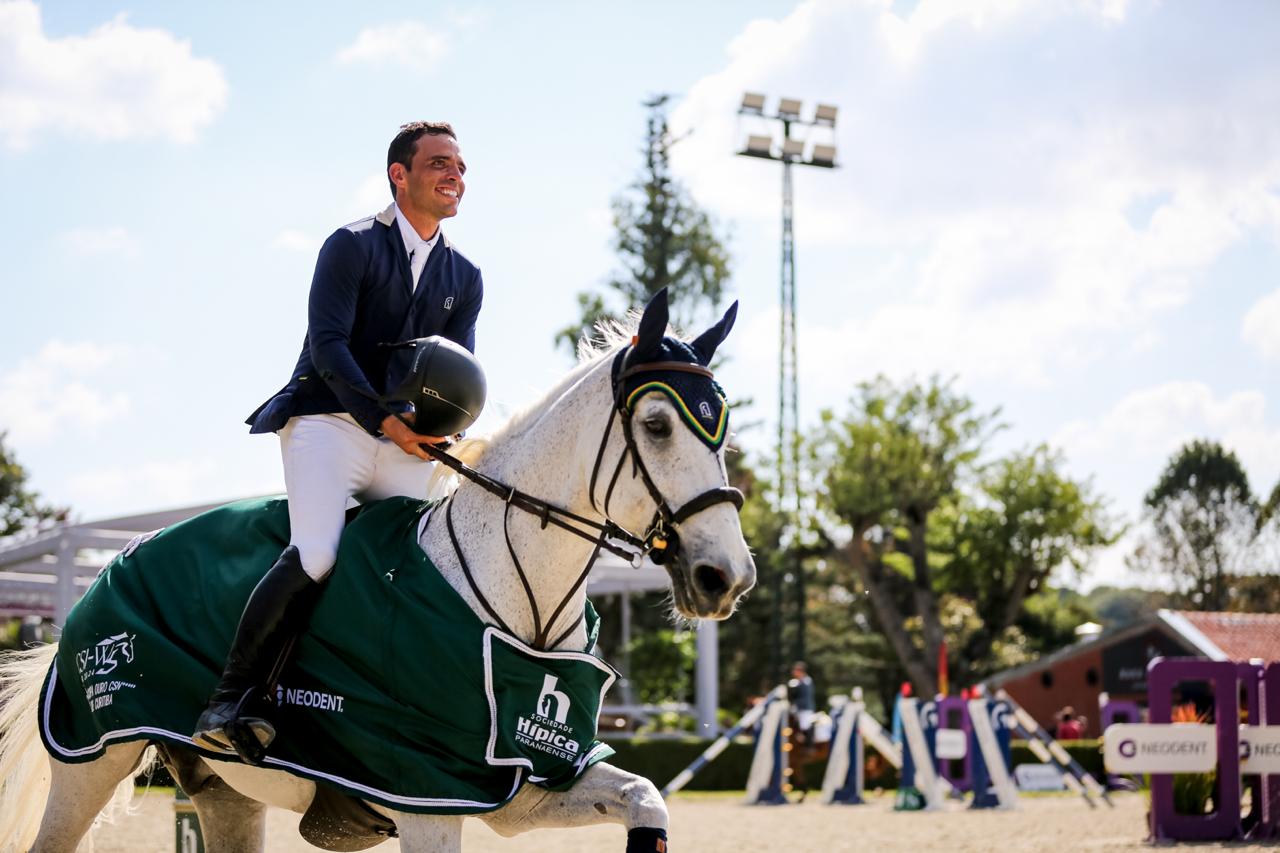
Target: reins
(660, 542)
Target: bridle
(660, 541)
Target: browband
(678, 366)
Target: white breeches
(329, 459)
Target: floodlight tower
(789, 150)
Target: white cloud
(293, 240)
(58, 390)
(101, 241)
(1146, 427)
(597, 222)
(409, 44)
(373, 194)
(1129, 445)
(990, 153)
(117, 82)
(1109, 567)
(175, 483)
(1261, 328)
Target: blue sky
(1072, 207)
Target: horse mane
(609, 336)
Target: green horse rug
(398, 693)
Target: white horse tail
(24, 764)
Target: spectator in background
(1070, 727)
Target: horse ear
(705, 345)
(653, 326)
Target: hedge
(660, 759)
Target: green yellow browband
(714, 438)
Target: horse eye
(657, 427)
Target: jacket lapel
(396, 245)
(431, 275)
(432, 270)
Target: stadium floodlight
(791, 152)
(760, 146)
(824, 155)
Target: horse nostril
(711, 580)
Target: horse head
(675, 425)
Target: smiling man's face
(433, 185)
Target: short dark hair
(406, 143)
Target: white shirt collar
(410, 237)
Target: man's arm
(461, 326)
(331, 312)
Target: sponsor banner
(1186, 748)
(1160, 748)
(1260, 749)
(951, 743)
(1038, 777)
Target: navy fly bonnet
(697, 397)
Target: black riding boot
(274, 616)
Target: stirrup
(248, 737)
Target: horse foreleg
(77, 792)
(428, 833)
(230, 821)
(604, 794)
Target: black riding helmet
(445, 385)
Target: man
(800, 694)
(388, 278)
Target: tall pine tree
(663, 239)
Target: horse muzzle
(704, 590)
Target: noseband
(660, 541)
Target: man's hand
(406, 439)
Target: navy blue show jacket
(362, 296)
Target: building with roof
(1114, 663)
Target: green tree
(1203, 525)
(942, 546)
(663, 239)
(662, 664)
(746, 657)
(1117, 607)
(22, 510)
(881, 473)
(844, 646)
(1025, 520)
(1270, 510)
